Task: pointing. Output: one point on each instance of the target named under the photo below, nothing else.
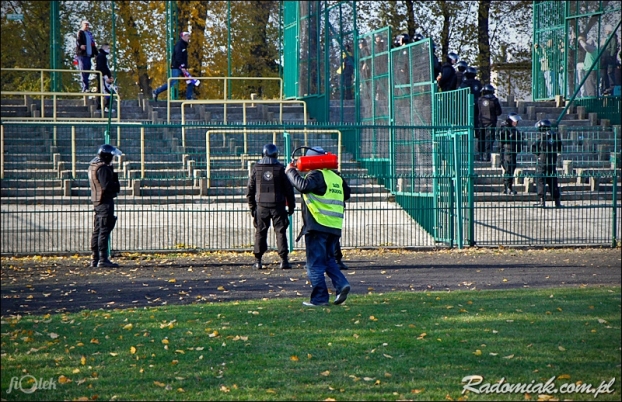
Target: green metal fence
(167, 202)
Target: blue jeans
(176, 73)
(84, 63)
(320, 249)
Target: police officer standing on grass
(489, 109)
(546, 147)
(324, 193)
(268, 193)
(105, 186)
(510, 142)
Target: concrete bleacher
(40, 168)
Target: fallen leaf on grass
(128, 326)
(54, 335)
(325, 373)
(159, 384)
(224, 389)
(132, 350)
(561, 348)
(477, 352)
(508, 357)
(294, 358)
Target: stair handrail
(596, 61)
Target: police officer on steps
(510, 143)
(489, 110)
(546, 147)
(105, 186)
(269, 191)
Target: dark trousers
(263, 218)
(338, 253)
(509, 165)
(547, 177)
(103, 223)
(320, 250)
(84, 63)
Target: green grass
(416, 346)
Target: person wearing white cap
(86, 49)
(179, 66)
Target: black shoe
(341, 297)
(94, 263)
(285, 264)
(105, 263)
(341, 265)
(558, 204)
(257, 264)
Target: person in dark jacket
(475, 86)
(324, 193)
(461, 67)
(105, 186)
(447, 78)
(510, 143)
(106, 77)
(546, 147)
(269, 192)
(86, 49)
(179, 66)
(489, 110)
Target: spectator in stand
(179, 66)
(591, 52)
(106, 75)
(86, 49)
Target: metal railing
(239, 102)
(43, 94)
(225, 88)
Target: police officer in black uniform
(461, 67)
(489, 109)
(105, 186)
(269, 191)
(475, 86)
(510, 143)
(546, 147)
(447, 78)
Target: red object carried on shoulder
(326, 161)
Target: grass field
(394, 346)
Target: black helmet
(404, 38)
(315, 151)
(488, 89)
(418, 37)
(363, 42)
(470, 72)
(462, 65)
(270, 150)
(543, 125)
(513, 117)
(106, 152)
(452, 57)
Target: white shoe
(309, 304)
(341, 297)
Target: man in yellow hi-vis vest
(324, 193)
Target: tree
(483, 41)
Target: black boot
(94, 260)
(106, 263)
(558, 203)
(257, 264)
(541, 203)
(285, 263)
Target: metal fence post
(287, 152)
(614, 197)
(458, 191)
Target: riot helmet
(402, 39)
(543, 125)
(107, 152)
(270, 150)
(315, 151)
(418, 37)
(470, 72)
(462, 65)
(452, 57)
(488, 89)
(514, 117)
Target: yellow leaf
(76, 371)
(271, 391)
(377, 382)
(180, 390)
(477, 352)
(416, 391)
(128, 326)
(83, 360)
(563, 377)
(356, 336)
(159, 384)
(368, 379)
(113, 354)
(221, 288)
(387, 375)
(213, 334)
(371, 317)
(165, 341)
(561, 348)
(493, 354)
(294, 358)
(309, 355)
(94, 340)
(63, 380)
(325, 373)
(508, 357)
(505, 280)
(53, 335)
(174, 362)
(224, 389)
(387, 356)
(173, 280)
(132, 350)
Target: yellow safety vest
(327, 209)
